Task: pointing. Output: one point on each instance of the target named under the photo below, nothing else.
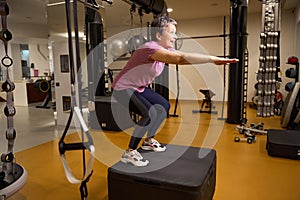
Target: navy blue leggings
(151, 106)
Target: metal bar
(202, 37)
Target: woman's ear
(158, 36)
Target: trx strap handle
(76, 108)
(89, 145)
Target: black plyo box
(179, 173)
(111, 115)
(283, 143)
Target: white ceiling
(37, 12)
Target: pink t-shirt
(140, 70)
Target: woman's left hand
(223, 61)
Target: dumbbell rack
(267, 75)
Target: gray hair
(159, 24)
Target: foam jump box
(111, 115)
(179, 173)
(284, 143)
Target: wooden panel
(34, 96)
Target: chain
(8, 87)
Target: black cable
(78, 66)
(224, 69)
(67, 6)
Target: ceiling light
(169, 10)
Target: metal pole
(238, 43)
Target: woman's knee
(158, 111)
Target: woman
(131, 85)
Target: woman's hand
(223, 61)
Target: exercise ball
(135, 42)
(289, 86)
(117, 48)
(291, 73)
(292, 60)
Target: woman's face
(168, 37)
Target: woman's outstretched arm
(183, 58)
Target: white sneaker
(134, 157)
(153, 145)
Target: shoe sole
(126, 161)
(148, 148)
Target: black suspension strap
(87, 140)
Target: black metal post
(238, 44)
(95, 52)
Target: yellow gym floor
(244, 171)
